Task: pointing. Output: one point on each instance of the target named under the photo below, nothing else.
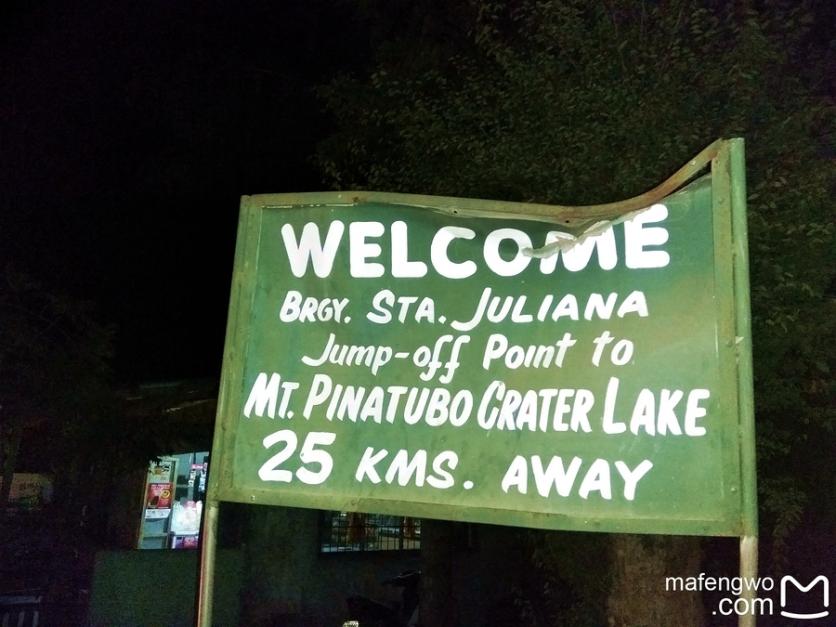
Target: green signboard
(494, 362)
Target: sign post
(578, 368)
(743, 340)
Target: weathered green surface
(684, 346)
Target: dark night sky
(129, 130)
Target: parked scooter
(364, 612)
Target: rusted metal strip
(571, 217)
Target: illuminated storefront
(173, 497)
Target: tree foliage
(578, 102)
(54, 375)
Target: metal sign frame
(728, 194)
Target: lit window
(352, 531)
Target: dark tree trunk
(10, 437)
(437, 600)
(640, 565)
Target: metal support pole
(207, 564)
(748, 571)
(209, 536)
(743, 331)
